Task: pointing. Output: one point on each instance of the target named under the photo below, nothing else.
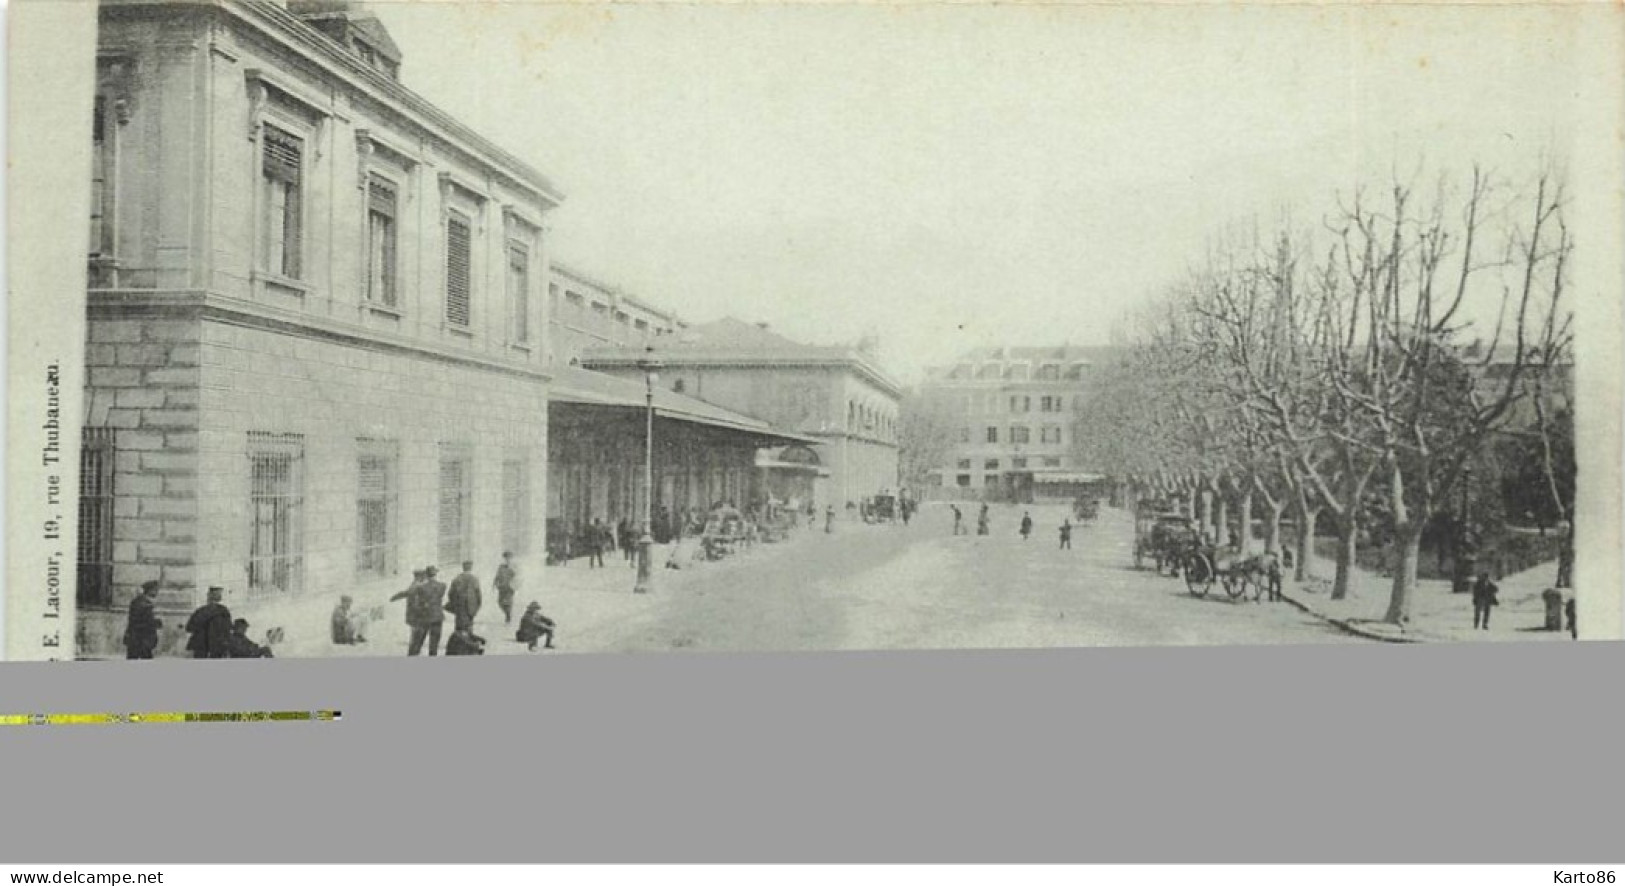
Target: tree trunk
(1272, 530)
(1205, 524)
(1408, 546)
(1307, 518)
(1245, 515)
(1221, 526)
(1348, 541)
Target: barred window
(96, 517)
(459, 268)
(377, 493)
(519, 290)
(456, 500)
(282, 158)
(991, 464)
(992, 435)
(275, 512)
(516, 505)
(101, 190)
(381, 214)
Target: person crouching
(534, 626)
(464, 642)
(242, 647)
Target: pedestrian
(463, 641)
(210, 627)
(1484, 592)
(597, 535)
(1568, 611)
(506, 582)
(239, 646)
(1026, 525)
(463, 600)
(533, 626)
(141, 631)
(959, 520)
(348, 627)
(1274, 572)
(1066, 534)
(423, 610)
(829, 519)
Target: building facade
(585, 313)
(317, 310)
(1012, 411)
(834, 395)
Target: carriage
(1204, 564)
(1086, 509)
(1162, 538)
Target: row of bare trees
(1301, 371)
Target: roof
(574, 273)
(1038, 356)
(733, 342)
(585, 387)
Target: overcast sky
(948, 177)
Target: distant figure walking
(1484, 597)
(506, 583)
(210, 627)
(463, 600)
(623, 531)
(959, 520)
(1568, 612)
(1026, 525)
(597, 536)
(829, 519)
(981, 522)
(141, 632)
(1066, 534)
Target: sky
(948, 177)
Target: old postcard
(400, 329)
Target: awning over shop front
(584, 388)
(1068, 477)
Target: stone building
(1013, 410)
(834, 395)
(586, 313)
(317, 311)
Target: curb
(1345, 626)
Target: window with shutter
(281, 169)
(381, 202)
(519, 290)
(459, 268)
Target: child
(533, 626)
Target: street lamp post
(650, 366)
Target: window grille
(276, 513)
(456, 495)
(377, 494)
(459, 264)
(95, 585)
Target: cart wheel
(1198, 574)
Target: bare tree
(926, 430)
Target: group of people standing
(213, 633)
(428, 600)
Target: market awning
(1072, 477)
(584, 387)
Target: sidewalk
(1437, 614)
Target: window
(275, 512)
(1020, 434)
(381, 214)
(95, 586)
(1018, 463)
(459, 267)
(281, 170)
(101, 184)
(1052, 462)
(1021, 403)
(1050, 434)
(456, 496)
(678, 386)
(992, 435)
(991, 464)
(1016, 373)
(642, 325)
(576, 302)
(377, 486)
(519, 290)
(1049, 372)
(964, 435)
(964, 464)
(963, 480)
(1050, 404)
(516, 504)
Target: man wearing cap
(242, 647)
(463, 600)
(210, 627)
(141, 633)
(423, 613)
(506, 581)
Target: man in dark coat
(505, 583)
(141, 633)
(210, 627)
(533, 626)
(463, 642)
(1066, 534)
(1484, 592)
(597, 539)
(240, 646)
(1026, 526)
(424, 615)
(463, 600)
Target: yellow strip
(167, 717)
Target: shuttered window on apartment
(456, 496)
(95, 586)
(381, 214)
(459, 268)
(281, 169)
(376, 509)
(519, 290)
(275, 513)
(515, 505)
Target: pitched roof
(582, 386)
